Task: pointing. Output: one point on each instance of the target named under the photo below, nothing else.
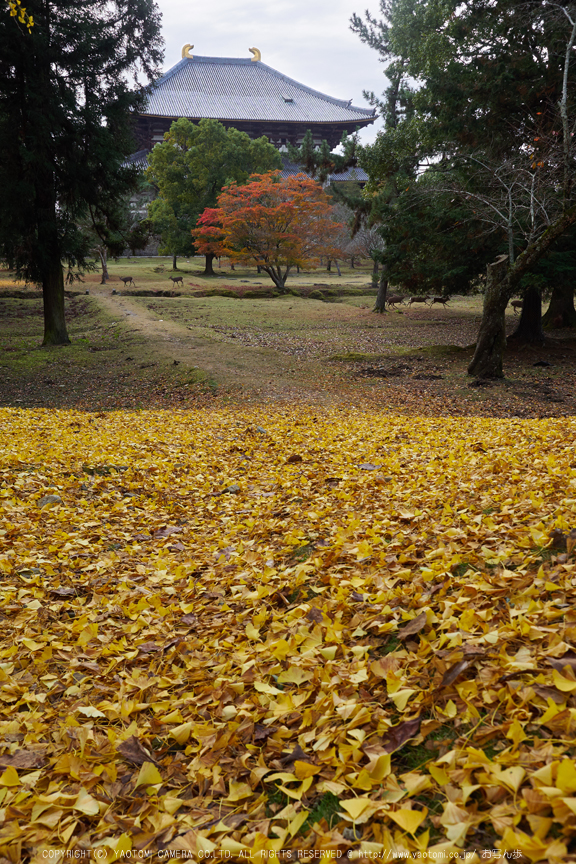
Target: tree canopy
(68, 88)
(190, 168)
(318, 161)
(278, 224)
(478, 116)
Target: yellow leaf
(252, 632)
(360, 675)
(563, 684)
(238, 791)
(304, 769)
(364, 550)
(566, 776)
(293, 793)
(90, 711)
(173, 717)
(262, 687)
(182, 733)
(329, 653)
(88, 633)
(378, 669)
(149, 775)
(382, 768)
(10, 777)
(516, 733)
(450, 710)
(401, 697)
(539, 538)
(122, 845)
(85, 803)
(439, 774)
(295, 675)
(355, 807)
(408, 820)
(280, 649)
(32, 645)
(361, 781)
(511, 777)
(297, 822)
(206, 846)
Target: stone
(49, 500)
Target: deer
(176, 279)
(516, 305)
(127, 280)
(394, 299)
(443, 300)
(418, 300)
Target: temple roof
(227, 88)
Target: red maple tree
(209, 237)
(276, 223)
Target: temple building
(245, 94)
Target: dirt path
(151, 351)
(256, 373)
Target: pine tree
(68, 87)
(482, 82)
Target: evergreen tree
(190, 168)
(67, 90)
(480, 82)
(318, 161)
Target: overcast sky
(308, 40)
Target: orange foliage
(208, 236)
(276, 223)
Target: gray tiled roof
(139, 159)
(358, 174)
(242, 89)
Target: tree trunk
(278, 278)
(329, 265)
(104, 262)
(55, 332)
(561, 311)
(380, 304)
(529, 330)
(487, 360)
(352, 262)
(51, 275)
(208, 269)
(375, 268)
(337, 267)
(174, 257)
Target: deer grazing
(516, 305)
(127, 280)
(176, 279)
